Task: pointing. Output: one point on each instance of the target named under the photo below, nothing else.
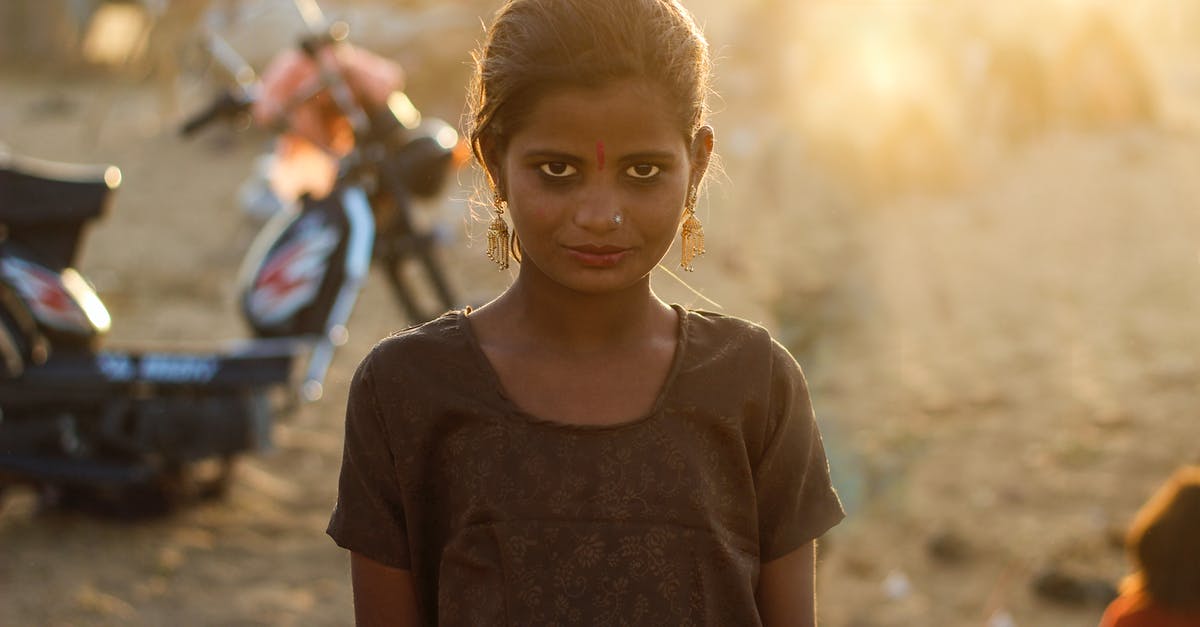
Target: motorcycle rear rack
(118, 418)
(246, 365)
(82, 471)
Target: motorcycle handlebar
(331, 75)
(224, 106)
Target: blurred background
(975, 224)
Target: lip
(596, 255)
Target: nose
(597, 206)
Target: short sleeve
(369, 516)
(796, 499)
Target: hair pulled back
(535, 46)
(1164, 541)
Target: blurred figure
(293, 89)
(1164, 544)
(316, 133)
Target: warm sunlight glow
(115, 34)
(884, 68)
(904, 95)
(877, 101)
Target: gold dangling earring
(497, 235)
(691, 235)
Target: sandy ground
(1009, 367)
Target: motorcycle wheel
(15, 347)
(203, 480)
(179, 485)
(419, 283)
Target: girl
(1164, 543)
(578, 451)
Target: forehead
(626, 115)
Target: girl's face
(596, 180)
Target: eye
(643, 171)
(557, 169)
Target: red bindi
(600, 155)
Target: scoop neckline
(512, 409)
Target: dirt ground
(1003, 370)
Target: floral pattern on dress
(506, 519)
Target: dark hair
(535, 46)
(1164, 543)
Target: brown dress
(505, 518)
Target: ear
(700, 153)
(489, 152)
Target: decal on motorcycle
(159, 368)
(291, 275)
(178, 368)
(47, 294)
(116, 367)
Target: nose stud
(618, 219)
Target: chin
(601, 282)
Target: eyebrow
(535, 154)
(650, 155)
(568, 157)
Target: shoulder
(723, 330)
(416, 349)
(414, 376)
(731, 336)
(740, 359)
(437, 335)
(1130, 609)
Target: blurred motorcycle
(154, 427)
(328, 98)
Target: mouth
(597, 256)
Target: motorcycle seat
(35, 192)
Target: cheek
(669, 208)
(662, 220)
(531, 207)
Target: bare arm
(382, 595)
(786, 589)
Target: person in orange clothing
(317, 131)
(1164, 544)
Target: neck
(578, 321)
